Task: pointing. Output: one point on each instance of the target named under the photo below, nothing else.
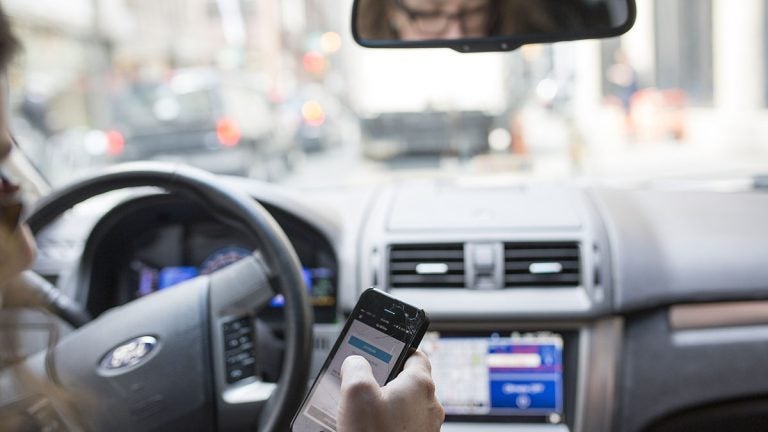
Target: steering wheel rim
(238, 209)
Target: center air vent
(541, 264)
(427, 266)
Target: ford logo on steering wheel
(128, 354)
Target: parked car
(433, 133)
(216, 121)
(318, 119)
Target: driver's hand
(407, 403)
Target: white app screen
(381, 351)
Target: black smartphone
(382, 329)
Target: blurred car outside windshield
(277, 90)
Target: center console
(516, 281)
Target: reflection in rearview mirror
(385, 22)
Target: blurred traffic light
(314, 63)
(330, 42)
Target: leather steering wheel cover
(280, 256)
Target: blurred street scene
(277, 90)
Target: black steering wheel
(185, 358)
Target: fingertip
(354, 362)
(357, 380)
(356, 368)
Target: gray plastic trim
(451, 304)
(585, 300)
(665, 372)
(685, 246)
(599, 368)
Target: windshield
(277, 90)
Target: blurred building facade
(88, 41)
(696, 100)
(714, 50)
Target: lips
(11, 206)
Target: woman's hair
(550, 16)
(37, 390)
(523, 16)
(372, 20)
(9, 45)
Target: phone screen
(375, 332)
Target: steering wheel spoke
(236, 294)
(244, 287)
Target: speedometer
(222, 258)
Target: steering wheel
(185, 358)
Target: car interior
(181, 299)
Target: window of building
(684, 48)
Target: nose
(454, 30)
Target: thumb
(360, 395)
(356, 371)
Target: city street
(713, 151)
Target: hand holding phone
(383, 331)
(406, 403)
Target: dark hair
(39, 390)
(8, 42)
(373, 20)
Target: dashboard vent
(427, 266)
(541, 264)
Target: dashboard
(553, 307)
(165, 240)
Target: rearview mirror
(486, 25)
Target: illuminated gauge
(222, 258)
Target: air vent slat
(544, 264)
(542, 279)
(428, 279)
(543, 253)
(411, 266)
(427, 266)
(427, 255)
(526, 265)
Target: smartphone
(382, 329)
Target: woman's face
(440, 19)
(5, 137)
(16, 245)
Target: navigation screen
(510, 375)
